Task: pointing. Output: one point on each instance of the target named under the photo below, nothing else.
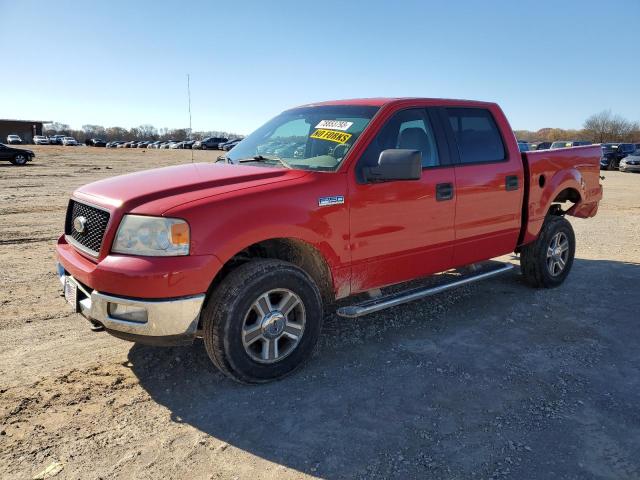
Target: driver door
(402, 230)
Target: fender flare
(538, 210)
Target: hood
(169, 187)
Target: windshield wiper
(261, 158)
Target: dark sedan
(210, 143)
(612, 153)
(17, 156)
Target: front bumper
(625, 167)
(168, 321)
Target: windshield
(308, 138)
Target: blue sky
(548, 63)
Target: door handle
(444, 191)
(511, 182)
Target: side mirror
(395, 164)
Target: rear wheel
(19, 160)
(546, 262)
(263, 321)
(612, 165)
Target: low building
(25, 129)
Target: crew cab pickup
(325, 201)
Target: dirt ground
(495, 380)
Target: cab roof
(382, 101)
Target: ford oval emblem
(80, 224)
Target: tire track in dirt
(15, 241)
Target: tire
(240, 341)
(540, 266)
(19, 160)
(612, 165)
(204, 147)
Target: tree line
(598, 128)
(143, 132)
(601, 127)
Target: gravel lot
(491, 381)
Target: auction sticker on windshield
(331, 135)
(335, 124)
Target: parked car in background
(17, 156)
(56, 139)
(114, 143)
(229, 145)
(613, 153)
(565, 144)
(154, 144)
(98, 142)
(235, 141)
(542, 146)
(14, 140)
(167, 144)
(523, 146)
(69, 142)
(209, 143)
(40, 140)
(631, 163)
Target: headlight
(152, 236)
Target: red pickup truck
(323, 202)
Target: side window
(476, 134)
(409, 129)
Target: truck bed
(565, 174)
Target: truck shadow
(440, 387)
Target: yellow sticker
(331, 135)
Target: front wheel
(263, 321)
(612, 165)
(19, 160)
(546, 262)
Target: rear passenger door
(489, 185)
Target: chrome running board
(399, 298)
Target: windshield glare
(308, 138)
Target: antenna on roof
(189, 97)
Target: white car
(69, 142)
(40, 140)
(13, 139)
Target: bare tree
(606, 127)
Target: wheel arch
(293, 250)
(565, 186)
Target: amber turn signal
(180, 234)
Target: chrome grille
(95, 225)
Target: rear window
(476, 134)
